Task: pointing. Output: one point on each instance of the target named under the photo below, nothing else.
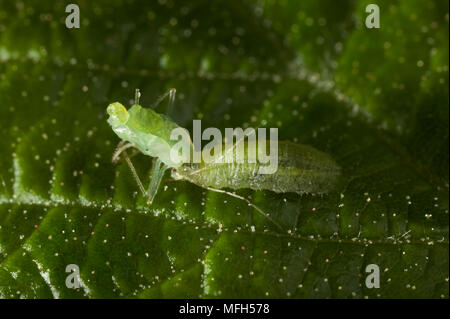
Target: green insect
(301, 168)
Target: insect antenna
(171, 94)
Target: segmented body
(301, 169)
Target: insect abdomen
(301, 169)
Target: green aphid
(301, 168)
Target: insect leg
(121, 147)
(134, 153)
(259, 210)
(159, 169)
(133, 171)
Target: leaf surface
(375, 100)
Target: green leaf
(376, 100)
